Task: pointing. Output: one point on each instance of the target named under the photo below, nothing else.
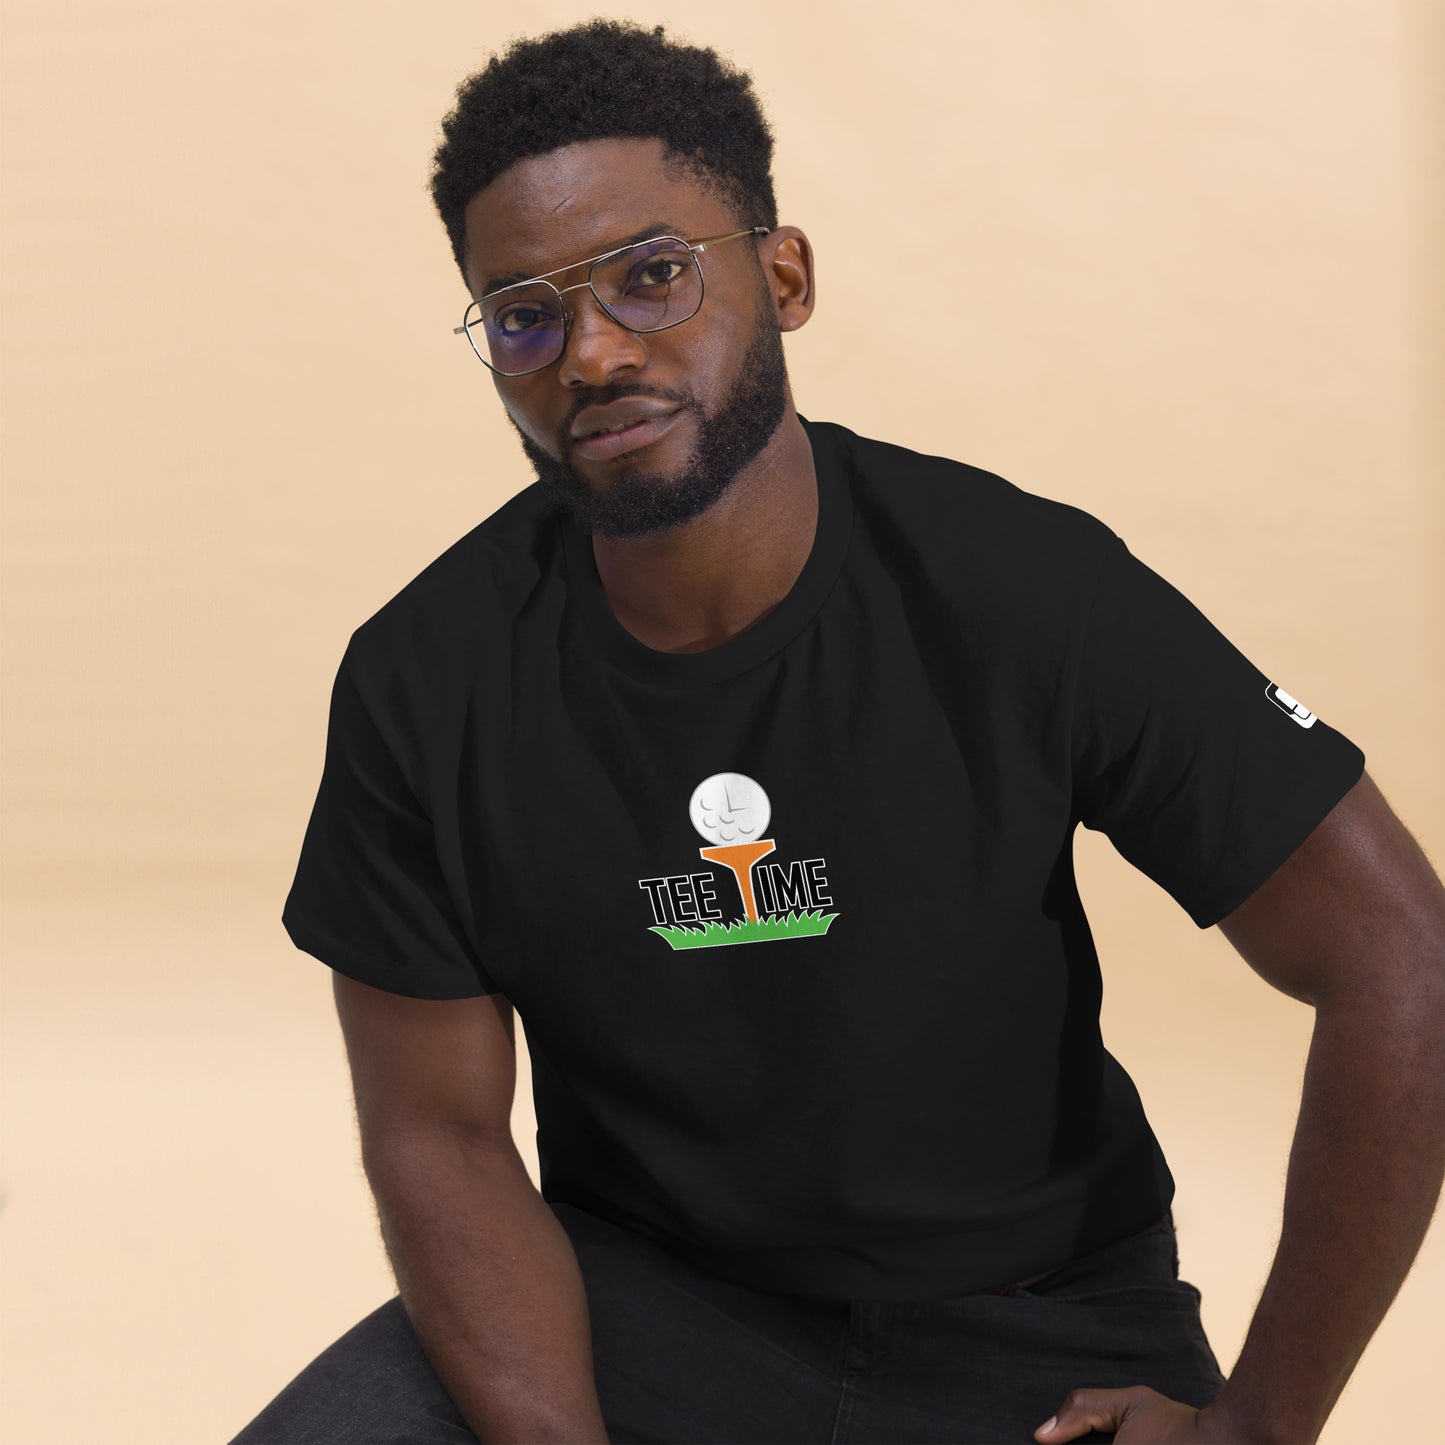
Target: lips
(594, 419)
(640, 433)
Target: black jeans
(682, 1356)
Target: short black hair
(596, 80)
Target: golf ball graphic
(730, 808)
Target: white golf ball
(730, 808)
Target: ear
(787, 258)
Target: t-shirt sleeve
(369, 898)
(1202, 772)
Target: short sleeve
(1204, 773)
(369, 898)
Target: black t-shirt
(792, 923)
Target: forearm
(492, 1287)
(1365, 1171)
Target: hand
(1139, 1416)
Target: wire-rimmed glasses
(646, 286)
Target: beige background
(1191, 285)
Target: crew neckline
(832, 466)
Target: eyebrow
(657, 228)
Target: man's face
(723, 369)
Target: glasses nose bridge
(598, 347)
(569, 313)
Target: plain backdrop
(1186, 267)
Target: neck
(693, 587)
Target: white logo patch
(1287, 704)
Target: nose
(597, 347)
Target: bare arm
(491, 1285)
(1353, 924)
(487, 1275)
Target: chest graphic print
(775, 899)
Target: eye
(655, 272)
(516, 319)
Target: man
(742, 754)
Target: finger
(1085, 1410)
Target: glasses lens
(651, 285)
(519, 329)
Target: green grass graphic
(794, 925)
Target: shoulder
(456, 609)
(969, 523)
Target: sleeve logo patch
(1296, 710)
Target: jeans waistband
(1118, 1252)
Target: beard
(634, 501)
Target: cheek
(732, 320)
(733, 333)
(704, 361)
(515, 414)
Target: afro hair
(602, 79)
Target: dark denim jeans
(682, 1356)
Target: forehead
(575, 202)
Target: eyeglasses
(647, 286)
